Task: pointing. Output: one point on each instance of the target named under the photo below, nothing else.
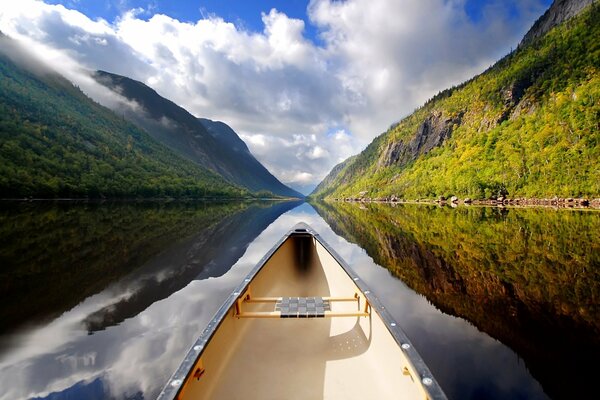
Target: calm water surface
(103, 301)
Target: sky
(305, 83)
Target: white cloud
(317, 152)
(396, 54)
(377, 61)
(254, 140)
(301, 177)
(302, 159)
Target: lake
(103, 300)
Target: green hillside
(527, 127)
(56, 142)
(210, 144)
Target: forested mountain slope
(57, 142)
(211, 144)
(529, 126)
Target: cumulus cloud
(302, 160)
(375, 62)
(394, 55)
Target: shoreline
(566, 203)
(144, 199)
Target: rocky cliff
(526, 127)
(559, 12)
(431, 133)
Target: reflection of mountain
(209, 253)
(55, 255)
(529, 278)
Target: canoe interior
(347, 357)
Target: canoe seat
(302, 307)
(299, 307)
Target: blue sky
(306, 86)
(244, 13)
(186, 10)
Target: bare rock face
(432, 133)
(513, 94)
(511, 97)
(559, 11)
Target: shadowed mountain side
(213, 145)
(209, 253)
(528, 278)
(325, 187)
(50, 249)
(225, 135)
(57, 142)
(250, 172)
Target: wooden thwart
(277, 314)
(276, 299)
(299, 307)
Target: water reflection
(54, 255)
(143, 318)
(132, 255)
(209, 253)
(529, 278)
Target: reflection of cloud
(141, 353)
(377, 62)
(37, 341)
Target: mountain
(57, 142)
(526, 127)
(224, 135)
(213, 145)
(331, 176)
(559, 12)
(250, 172)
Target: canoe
(302, 325)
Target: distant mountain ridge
(213, 145)
(225, 135)
(559, 12)
(57, 142)
(526, 127)
(330, 178)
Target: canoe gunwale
(176, 381)
(432, 387)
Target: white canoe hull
(302, 325)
